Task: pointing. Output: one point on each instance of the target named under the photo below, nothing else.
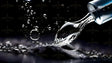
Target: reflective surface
(37, 58)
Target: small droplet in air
(26, 4)
(45, 16)
(33, 17)
(34, 12)
(28, 10)
(30, 7)
(36, 21)
(56, 23)
(31, 10)
(28, 21)
(27, 0)
(16, 0)
(43, 0)
(49, 27)
(65, 21)
(23, 25)
(31, 24)
(62, 5)
(22, 7)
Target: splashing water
(76, 53)
(70, 30)
(65, 35)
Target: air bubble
(34, 33)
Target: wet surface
(53, 55)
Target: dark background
(12, 17)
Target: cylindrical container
(101, 10)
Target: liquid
(70, 30)
(79, 53)
(65, 35)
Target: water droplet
(36, 21)
(31, 24)
(49, 28)
(45, 16)
(26, 27)
(33, 17)
(22, 6)
(62, 5)
(28, 10)
(8, 43)
(28, 0)
(26, 4)
(30, 7)
(16, 0)
(43, 0)
(66, 21)
(34, 12)
(28, 21)
(31, 10)
(56, 23)
(34, 33)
